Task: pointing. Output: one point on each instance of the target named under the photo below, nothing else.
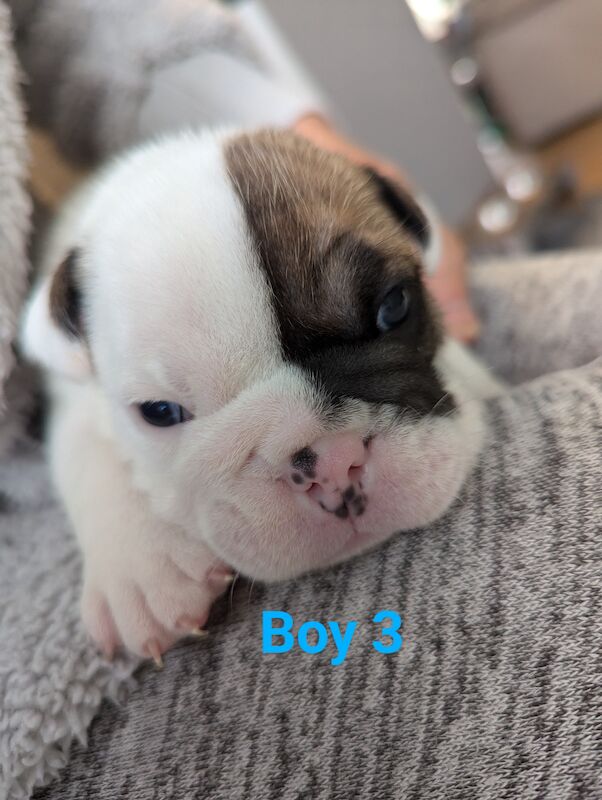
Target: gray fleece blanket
(51, 679)
(15, 204)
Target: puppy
(247, 374)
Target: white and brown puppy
(246, 373)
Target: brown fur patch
(331, 247)
(319, 226)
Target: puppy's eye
(394, 309)
(163, 414)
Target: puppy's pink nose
(330, 472)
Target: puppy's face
(256, 323)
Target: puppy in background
(246, 374)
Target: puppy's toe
(193, 561)
(181, 599)
(99, 622)
(180, 604)
(146, 600)
(139, 629)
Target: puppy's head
(252, 311)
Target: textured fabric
(537, 487)
(14, 203)
(494, 694)
(91, 62)
(106, 74)
(539, 314)
(539, 479)
(197, 92)
(51, 678)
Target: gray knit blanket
(494, 693)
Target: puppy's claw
(191, 627)
(154, 651)
(218, 577)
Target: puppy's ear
(65, 297)
(52, 332)
(421, 225)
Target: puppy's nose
(330, 472)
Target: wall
(392, 92)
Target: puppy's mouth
(330, 477)
(347, 504)
(331, 500)
(302, 544)
(344, 502)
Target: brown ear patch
(403, 206)
(65, 297)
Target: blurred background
(494, 106)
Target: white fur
(178, 309)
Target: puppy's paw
(145, 599)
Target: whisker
(442, 399)
(234, 579)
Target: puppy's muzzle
(331, 474)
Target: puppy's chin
(268, 532)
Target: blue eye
(393, 310)
(163, 414)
